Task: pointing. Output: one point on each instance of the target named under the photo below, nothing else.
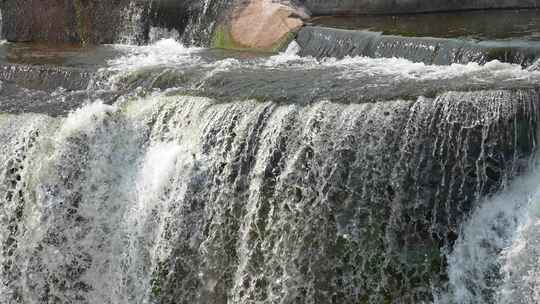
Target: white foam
(535, 66)
(158, 166)
(85, 118)
(352, 66)
(157, 34)
(170, 53)
(162, 52)
(521, 260)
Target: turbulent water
(185, 175)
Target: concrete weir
(355, 7)
(330, 42)
(438, 38)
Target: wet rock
(21, 21)
(78, 21)
(115, 21)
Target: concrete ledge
(330, 42)
(356, 7)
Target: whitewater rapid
(170, 53)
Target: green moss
(156, 290)
(159, 278)
(282, 43)
(222, 39)
(82, 28)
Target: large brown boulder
(264, 25)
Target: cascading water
(197, 184)
(192, 22)
(133, 25)
(172, 174)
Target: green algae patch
(282, 43)
(222, 39)
(83, 25)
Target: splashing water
(496, 259)
(157, 34)
(163, 52)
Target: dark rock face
(99, 22)
(86, 21)
(333, 7)
(21, 21)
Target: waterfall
(202, 21)
(180, 175)
(192, 22)
(169, 199)
(133, 24)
